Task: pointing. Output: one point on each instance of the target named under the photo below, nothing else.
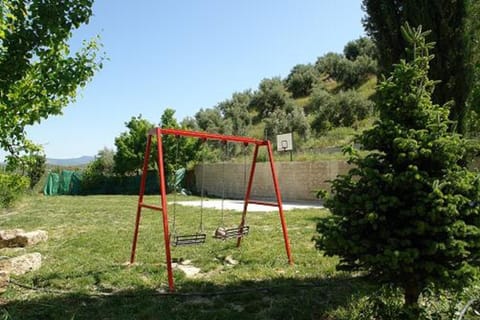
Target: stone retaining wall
(297, 180)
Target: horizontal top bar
(206, 135)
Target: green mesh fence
(72, 183)
(51, 185)
(76, 183)
(66, 183)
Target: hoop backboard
(285, 142)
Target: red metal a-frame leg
(163, 208)
(277, 194)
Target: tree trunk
(411, 294)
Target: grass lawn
(85, 272)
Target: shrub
(32, 165)
(12, 187)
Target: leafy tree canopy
(39, 75)
(270, 96)
(349, 72)
(363, 46)
(211, 120)
(236, 110)
(178, 152)
(344, 109)
(301, 80)
(131, 146)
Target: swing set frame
(158, 133)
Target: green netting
(72, 183)
(51, 185)
(76, 183)
(66, 183)
(179, 177)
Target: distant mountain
(70, 162)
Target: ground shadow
(283, 298)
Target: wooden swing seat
(229, 233)
(190, 239)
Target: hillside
(71, 162)
(324, 104)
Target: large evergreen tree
(408, 213)
(447, 21)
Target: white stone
(31, 238)
(22, 264)
(7, 237)
(190, 271)
(186, 262)
(20, 238)
(229, 260)
(10, 234)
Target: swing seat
(185, 240)
(228, 233)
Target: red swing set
(237, 232)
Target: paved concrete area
(237, 205)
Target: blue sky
(188, 55)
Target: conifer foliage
(407, 213)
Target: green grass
(85, 272)
(368, 88)
(302, 102)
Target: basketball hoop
(285, 143)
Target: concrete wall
(297, 180)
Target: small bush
(12, 187)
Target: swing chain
(245, 147)
(204, 143)
(175, 187)
(224, 155)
